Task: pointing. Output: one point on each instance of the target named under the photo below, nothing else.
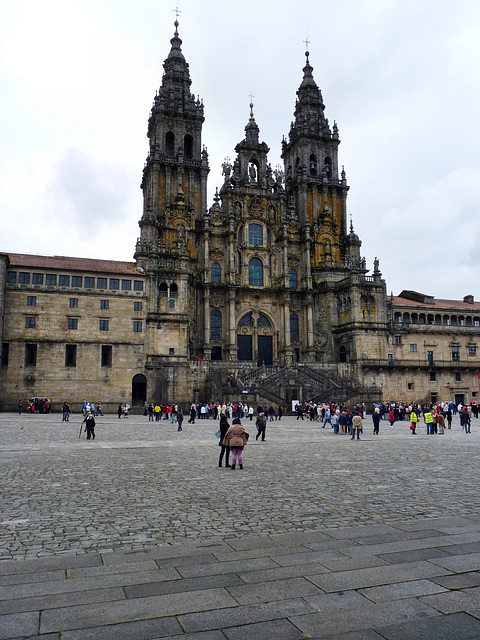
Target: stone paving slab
(315, 538)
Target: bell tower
(174, 189)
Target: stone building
(264, 293)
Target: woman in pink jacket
(236, 438)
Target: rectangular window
(73, 303)
(101, 283)
(476, 322)
(12, 277)
(64, 281)
(77, 281)
(138, 285)
(255, 235)
(433, 376)
(171, 304)
(23, 278)
(455, 353)
(137, 306)
(30, 322)
(37, 278)
(89, 283)
(31, 301)
(104, 304)
(137, 326)
(472, 349)
(413, 348)
(171, 352)
(30, 355)
(106, 355)
(51, 279)
(5, 354)
(397, 339)
(458, 376)
(410, 386)
(103, 325)
(73, 324)
(126, 285)
(114, 283)
(70, 355)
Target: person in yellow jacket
(429, 420)
(413, 420)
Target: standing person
(449, 418)
(150, 411)
(335, 420)
(193, 413)
(428, 419)
(250, 412)
(20, 407)
(224, 451)
(145, 408)
(125, 411)
(465, 419)
(179, 419)
(391, 417)
(413, 420)
(261, 424)
(66, 412)
(271, 412)
(236, 438)
(89, 421)
(279, 412)
(158, 412)
(327, 419)
(99, 409)
(440, 418)
(376, 422)
(356, 426)
(120, 411)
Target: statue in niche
(252, 172)
(328, 249)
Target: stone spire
(309, 108)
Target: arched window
(263, 321)
(327, 167)
(342, 354)
(170, 143)
(246, 321)
(215, 325)
(294, 332)
(313, 165)
(188, 146)
(255, 235)
(216, 273)
(163, 289)
(292, 279)
(255, 273)
(173, 290)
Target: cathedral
(261, 296)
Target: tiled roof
(63, 263)
(437, 304)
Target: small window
(30, 322)
(294, 330)
(64, 281)
(71, 355)
(397, 339)
(31, 301)
(101, 283)
(476, 322)
(433, 376)
(114, 283)
(137, 306)
(138, 285)
(216, 273)
(73, 303)
(255, 235)
(292, 279)
(171, 304)
(89, 283)
(472, 349)
(12, 277)
(73, 324)
(37, 278)
(126, 285)
(215, 325)
(455, 353)
(410, 386)
(458, 376)
(23, 278)
(103, 325)
(413, 348)
(51, 279)
(30, 355)
(5, 354)
(104, 304)
(171, 352)
(137, 326)
(106, 355)
(77, 281)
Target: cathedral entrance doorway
(139, 389)
(245, 350)
(265, 350)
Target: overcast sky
(400, 77)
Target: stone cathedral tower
(270, 274)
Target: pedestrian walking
(236, 438)
(120, 411)
(357, 426)
(261, 424)
(413, 421)
(65, 412)
(376, 422)
(179, 419)
(89, 421)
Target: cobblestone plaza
(139, 534)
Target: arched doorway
(255, 338)
(139, 390)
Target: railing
(421, 362)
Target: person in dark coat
(261, 425)
(89, 421)
(224, 451)
(376, 423)
(179, 419)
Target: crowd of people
(34, 405)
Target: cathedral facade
(262, 295)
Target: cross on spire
(306, 41)
(177, 11)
